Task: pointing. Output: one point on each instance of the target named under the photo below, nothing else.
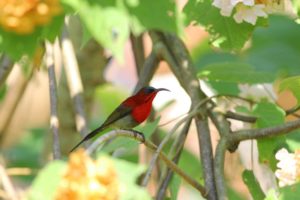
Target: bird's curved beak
(162, 89)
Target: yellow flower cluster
(22, 16)
(88, 179)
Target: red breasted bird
(130, 113)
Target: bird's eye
(149, 90)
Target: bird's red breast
(141, 106)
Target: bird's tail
(87, 137)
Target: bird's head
(148, 93)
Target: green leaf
(128, 173)
(53, 29)
(225, 30)
(253, 185)
(269, 114)
(224, 88)
(191, 165)
(46, 183)
(174, 186)
(292, 84)
(167, 17)
(290, 192)
(274, 49)
(234, 72)
(111, 27)
(15, 45)
(115, 18)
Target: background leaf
(174, 186)
(290, 192)
(116, 18)
(46, 183)
(253, 185)
(269, 115)
(128, 174)
(234, 72)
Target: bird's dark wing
(120, 112)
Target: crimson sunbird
(130, 113)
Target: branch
(133, 134)
(147, 71)
(236, 116)
(54, 122)
(5, 68)
(252, 119)
(74, 82)
(172, 49)
(265, 132)
(138, 50)
(219, 168)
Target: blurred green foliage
(253, 185)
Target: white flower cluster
(248, 10)
(288, 167)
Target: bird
(130, 113)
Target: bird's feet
(137, 134)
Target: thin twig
(54, 122)
(252, 119)
(132, 134)
(177, 147)
(265, 132)
(7, 184)
(21, 171)
(5, 68)
(74, 82)
(292, 110)
(243, 118)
